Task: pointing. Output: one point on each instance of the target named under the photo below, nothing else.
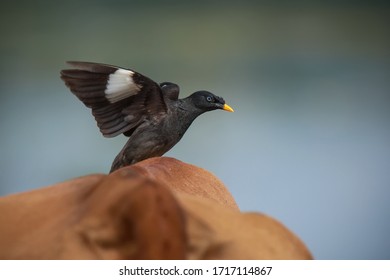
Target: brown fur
(160, 208)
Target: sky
(308, 143)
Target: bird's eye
(209, 98)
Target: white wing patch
(121, 85)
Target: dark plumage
(124, 101)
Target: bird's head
(207, 101)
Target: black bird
(124, 101)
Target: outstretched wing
(120, 99)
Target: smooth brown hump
(187, 178)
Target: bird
(126, 102)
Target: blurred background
(309, 142)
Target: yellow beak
(227, 108)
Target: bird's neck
(188, 110)
(184, 114)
